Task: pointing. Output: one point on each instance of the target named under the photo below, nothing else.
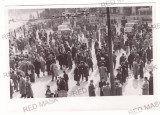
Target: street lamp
(109, 40)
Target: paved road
(131, 87)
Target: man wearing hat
(122, 58)
(91, 89)
(98, 57)
(22, 87)
(29, 92)
(81, 69)
(101, 84)
(66, 78)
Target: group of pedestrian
(52, 54)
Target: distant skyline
(22, 13)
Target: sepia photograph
(81, 52)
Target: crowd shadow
(74, 91)
(43, 79)
(135, 83)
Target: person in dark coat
(31, 72)
(122, 58)
(77, 75)
(54, 71)
(119, 75)
(149, 54)
(98, 57)
(91, 89)
(135, 69)
(130, 60)
(151, 84)
(81, 70)
(61, 85)
(123, 72)
(90, 63)
(103, 72)
(144, 58)
(22, 86)
(101, 84)
(65, 59)
(29, 92)
(106, 89)
(48, 63)
(37, 66)
(118, 89)
(96, 46)
(141, 65)
(145, 87)
(74, 51)
(89, 42)
(114, 59)
(126, 65)
(40, 35)
(86, 72)
(69, 59)
(60, 59)
(14, 77)
(65, 76)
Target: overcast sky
(20, 12)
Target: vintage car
(130, 27)
(64, 30)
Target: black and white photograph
(81, 52)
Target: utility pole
(110, 53)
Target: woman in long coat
(91, 89)
(23, 66)
(145, 87)
(48, 64)
(65, 59)
(22, 87)
(118, 89)
(141, 69)
(103, 72)
(31, 72)
(77, 75)
(106, 90)
(37, 66)
(54, 70)
(29, 92)
(151, 91)
(86, 71)
(69, 60)
(42, 62)
(135, 69)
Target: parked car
(130, 27)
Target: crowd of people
(41, 52)
(138, 52)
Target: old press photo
(81, 52)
